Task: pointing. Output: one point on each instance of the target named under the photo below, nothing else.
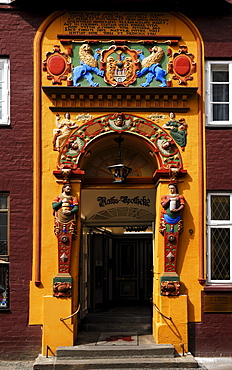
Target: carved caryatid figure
(65, 208)
(172, 204)
(65, 205)
(65, 127)
(171, 227)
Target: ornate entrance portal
(145, 88)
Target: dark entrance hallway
(120, 270)
(126, 318)
(132, 270)
(118, 282)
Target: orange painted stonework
(105, 50)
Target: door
(133, 265)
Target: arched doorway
(117, 244)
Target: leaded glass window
(219, 92)
(4, 251)
(219, 230)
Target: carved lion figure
(151, 67)
(86, 55)
(88, 65)
(155, 57)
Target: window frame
(4, 258)
(209, 119)
(227, 224)
(5, 66)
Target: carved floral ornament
(119, 65)
(71, 141)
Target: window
(4, 92)
(219, 234)
(219, 93)
(4, 251)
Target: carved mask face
(119, 121)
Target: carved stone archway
(162, 145)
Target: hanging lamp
(119, 171)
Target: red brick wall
(212, 337)
(216, 33)
(219, 159)
(17, 30)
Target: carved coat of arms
(120, 65)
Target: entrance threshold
(121, 319)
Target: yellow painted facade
(47, 310)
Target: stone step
(185, 362)
(105, 352)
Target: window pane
(220, 207)
(3, 248)
(221, 93)
(220, 72)
(220, 76)
(3, 201)
(3, 232)
(220, 112)
(220, 254)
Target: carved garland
(164, 146)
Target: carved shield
(120, 64)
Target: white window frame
(217, 224)
(209, 114)
(5, 67)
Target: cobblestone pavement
(215, 363)
(16, 365)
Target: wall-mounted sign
(120, 204)
(124, 199)
(218, 303)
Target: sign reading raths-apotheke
(218, 303)
(96, 201)
(124, 199)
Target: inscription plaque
(105, 23)
(218, 303)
